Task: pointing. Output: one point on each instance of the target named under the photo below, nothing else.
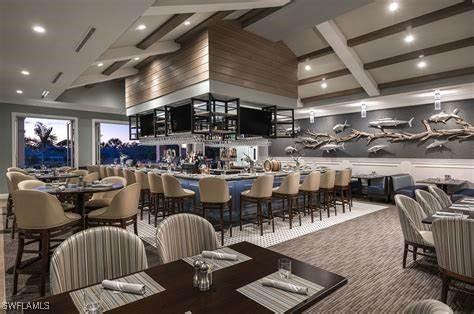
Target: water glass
(92, 302)
(284, 267)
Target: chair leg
(230, 217)
(142, 199)
(405, 253)
(290, 211)
(222, 223)
(415, 249)
(270, 215)
(444, 287)
(240, 212)
(19, 255)
(135, 225)
(259, 216)
(44, 260)
(343, 201)
(150, 206)
(310, 207)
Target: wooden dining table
(49, 177)
(180, 296)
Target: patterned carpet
(365, 248)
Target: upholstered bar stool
(109, 171)
(288, 190)
(175, 195)
(142, 179)
(260, 193)
(342, 188)
(13, 179)
(118, 171)
(157, 196)
(129, 175)
(93, 168)
(214, 194)
(103, 199)
(326, 188)
(102, 172)
(310, 191)
(40, 218)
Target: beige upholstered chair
(260, 193)
(428, 202)
(342, 187)
(129, 175)
(175, 195)
(99, 200)
(13, 179)
(214, 194)
(415, 233)
(122, 211)
(142, 179)
(65, 169)
(109, 171)
(454, 242)
(440, 195)
(93, 168)
(428, 306)
(184, 235)
(118, 171)
(95, 254)
(326, 188)
(39, 217)
(157, 196)
(102, 172)
(309, 189)
(80, 173)
(91, 177)
(16, 169)
(288, 190)
(30, 184)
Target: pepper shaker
(204, 278)
(197, 266)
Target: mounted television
(146, 125)
(255, 122)
(181, 118)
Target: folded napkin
(467, 202)
(219, 255)
(468, 199)
(447, 214)
(102, 185)
(284, 286)
(135, 288)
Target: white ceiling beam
(166, 7)
(333, 35)
(130, 52)
(97, 78)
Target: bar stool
(326, 187)
(288, 190)
(142, 178)
(175, 195)
(309, 189)
(129, 175)
(260, 193)
(40, 218)
(214, 194)
(109, 171)
(156, 195)
(342, 187)
(102, 172)
(118, 171)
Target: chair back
(102, 172)
(81, 173)
(401, 181)
(95, 254)
(118, 171)
(91, 177)
(410, 214)
(171, 186)
(428, 202)
(440, 195)
(213, 190)
(37, 210)
(428, 306)
(13, 178)
(125, 203)
(328, 179)
(16, 169)
(30, 184)
(262, 187)
(156, 184)
(93, 168)
(142, 178)
(65, 169)
(110, 194)
(109, 171)
(129, 175)
(184, 235)
(290, 184)
(311, 182)
(343, 177)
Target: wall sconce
(363, 111)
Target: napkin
(467, 201)
(284, 286)
(446, 214)
(134, 288)
(218, 255)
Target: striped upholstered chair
(95, 254)
(454, 242)
(183, 235)
(440, 195)
(415, 233)
(428, 202)
(428, 306)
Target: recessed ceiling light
(24, 72)
(39, 29)
(19, 91)
(307, 67)
(100, 64)
(421, 64)
(136, 58)
(409, 38)
(393, 6)
(187, 23)
(141, 27)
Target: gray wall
(453, 150)
(84, 129)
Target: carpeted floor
(367, 250)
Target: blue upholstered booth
(462, 193)
(405, 185)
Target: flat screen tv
(146, 125)
(181, 118)
(255, 122)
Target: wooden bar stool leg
(135, 225)
(240, 212)
(222, 223)
(230, 216)
(283, 207)
(19, 255)
(310, 207)
(290, 211)
(259, 216)
(343, 201)
(270, 214)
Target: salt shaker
(204, 278)
(197, 266)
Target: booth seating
(379, 189)
(462, 194)
(405, 185)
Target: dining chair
(109, 171)
(288, 191)
(95, 254)
(309, 189)
(157, 196)
(78, 172)
(428, 202)
(175, 194)
(183, 235)
(40, 219)
(214, 195)
(93, 168)
(416, 234)
(122, 211)
(342, 187)
(428, 306)
(65, 169)
(129, 175)
(440, 195)
(118, 171)
(326, 189)
(13, 179)
(454, 242)
(260, 193)
(142, 179)
(102, 172)
(91, 177)
(16, 169)
(30, 184)
(103, 199)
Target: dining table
(443, 183)
(464, 207)
(228, 292)
(50, 176)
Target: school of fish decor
(388, 131)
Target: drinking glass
(284, 267)
(92, 302)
